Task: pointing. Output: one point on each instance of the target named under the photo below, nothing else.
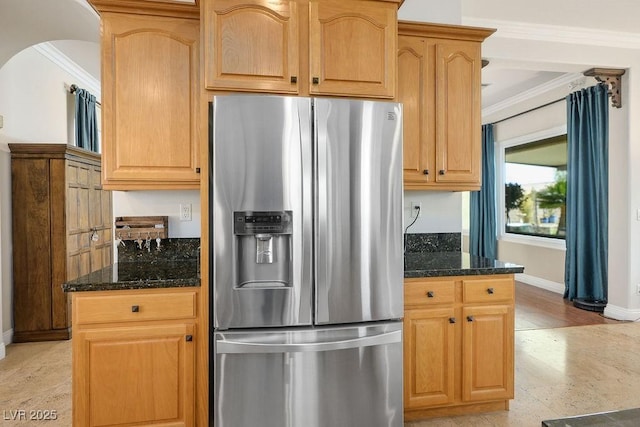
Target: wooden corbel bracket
(612, 77)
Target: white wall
(34, 99)
(439, 211)
(444, 12)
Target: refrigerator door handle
(230, 346)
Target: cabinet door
(100, 222)
(487, 353)
(251, 45)
(352, 48)
(150, 68)
(428, 357)
(142, 375)
(458, 65)
(78, 213)
(416, 93)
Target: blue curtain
(86, 122)
(482, 230)
(587, 192)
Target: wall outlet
(416, 209)
(185, 212)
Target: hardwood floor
(538, 308)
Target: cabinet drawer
(134, 307)
(488, 290)
(421, 293)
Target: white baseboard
(621, 313)
(7, 336)
(541, 283)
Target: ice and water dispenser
(263, 292)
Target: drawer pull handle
(430, 294)
(188, 338)
(135, 308)
(470, 319)
(490, 291)
(452, 320)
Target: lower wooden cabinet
(487, 353)
(129, 371)
(458, 345)
(429, 357)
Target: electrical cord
(407, 228)
(414, 219)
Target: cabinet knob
(441, 171)
(135, 308)
(452, 320)
(315, 80)
(490, 291)
(425, 172)
(294, 79)
(188, 338)
(430, 294)
(470, 319)
(197, 170)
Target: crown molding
(83, 78)
(557, 33)
(566, 80)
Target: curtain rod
(530, 110)
(75, 87)
(594, 72)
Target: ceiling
(72, 27)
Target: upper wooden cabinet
(251, 45)
(439, 84)
(318, 47)
(150, 101)
(351, 48)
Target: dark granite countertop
(434, 264)
(624, 418)
(138, 275)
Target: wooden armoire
(62, 229)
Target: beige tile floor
(559, 372)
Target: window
(535, 187)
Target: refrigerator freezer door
(346, 376)
(261, 211)
(359, 256)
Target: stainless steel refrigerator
(307, 262)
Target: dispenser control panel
(253, 222)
